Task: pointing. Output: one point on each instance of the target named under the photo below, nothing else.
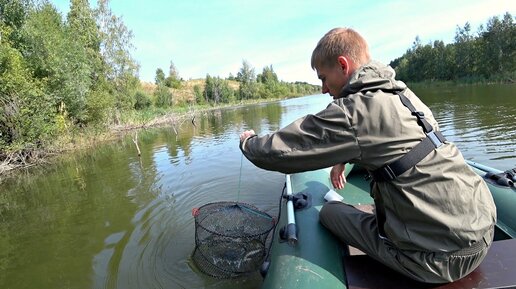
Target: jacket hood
(372, 77)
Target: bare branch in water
(135, 141)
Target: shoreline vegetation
(149, 117)
(69, 81)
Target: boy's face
(333, 79)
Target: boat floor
(496, 271)
(356, 190)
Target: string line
(240, 177)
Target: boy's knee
(327, 212)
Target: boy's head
(340, 42)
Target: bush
(199, 97)
(217, 90)
(163, 96)
(99, 106)
(142, 100)
(173, 82)
(25, 110)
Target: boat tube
(315, 259)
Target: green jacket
(438, 205)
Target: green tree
(248, 88)
(172, 71)
(246, 73)
(57, 60)
(59, 72)
(160, 77)
(444, 66)
(488, 55)
(115, 47)
(25, 111)
(269, 85)
(13, 14)
(465, 51)
(173, 79)
(83, 32)
(267, 76)
(498, 46)
(83, 27)
(217, 90)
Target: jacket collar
(372, 76)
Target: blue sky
(214, 36)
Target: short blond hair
(337, 42)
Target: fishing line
(240, 177)
(221, 227)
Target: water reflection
(154, 252)
(106, 218)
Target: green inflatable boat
(305, 255)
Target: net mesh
(230, 238)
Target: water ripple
(481, 133)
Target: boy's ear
(341, 59)
(344, 64)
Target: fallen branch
(135, 141)
(193, 121)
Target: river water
(106, 218)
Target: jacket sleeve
(309, 143)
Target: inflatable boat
(304, 254)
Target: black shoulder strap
(433, 140)
(427, 128)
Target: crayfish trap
(230, 238)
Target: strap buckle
(434, 139)
(418, 114)
(384, 174)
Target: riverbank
(130, 122)
(468, 81)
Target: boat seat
(497, 270)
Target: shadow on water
(105, 218)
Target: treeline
(251, 86)
(247, 85)
(63, 74)
(487, 55)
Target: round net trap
(230, 238)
